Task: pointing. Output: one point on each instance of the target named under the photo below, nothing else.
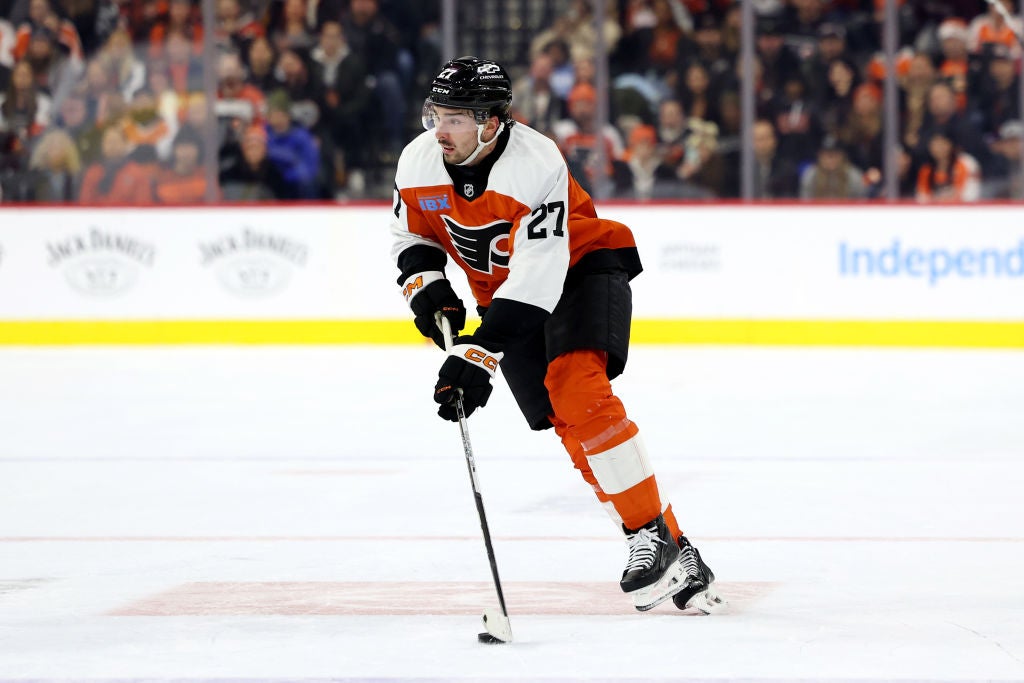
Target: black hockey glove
(468, 369)
(428, 293)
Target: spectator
(42, 15)
(1006, 175)
(778, 62)
(183, 179)
(696, 93)
(666, 42)
(73, 117)
(702, 170)
(672, 132)
(116, 178)
(583, 143)
(954, 64)
(842, 80)
(291, 148)
(915, 86)
(55, 72)
(861, 134)
(261, 58)
(948, 174)
(236, 27)
(649, 176)
(54, 168)
(534, 102)
(378, 42)
(991, 29)
(831, 46)
(999, 96)
(832, 176)
(340, 76)
(246, 172)
(293, 76)
(292, 29)
(563, 70)
(942, 115)
(180, 20)
(775, 177)
(183, 67)
(575, 28)
(709, 48)
(239, 104)
(24, 108)
(118, 58)
(796, 121)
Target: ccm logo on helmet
(478, 356)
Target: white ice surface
(861, 507)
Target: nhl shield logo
(468, 189)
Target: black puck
(488, 638)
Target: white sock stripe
(621, 467)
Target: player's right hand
(466, 373)
(429, 293)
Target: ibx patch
(434, 202)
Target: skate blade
(707, 601)
(670, 583)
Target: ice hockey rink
(300, 514)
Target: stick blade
(499, 630)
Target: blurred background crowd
(170, 101)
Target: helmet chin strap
(480, 144)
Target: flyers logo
(479, 246)
(474, 355)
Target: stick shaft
(467, 448)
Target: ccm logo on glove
(475, 355)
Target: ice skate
(653, 573)
(698, 591)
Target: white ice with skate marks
(260, 514)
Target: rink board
(714, 274)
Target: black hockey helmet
(480, 85)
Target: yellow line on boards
(936, 334)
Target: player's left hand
(468, 371)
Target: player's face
(456, 132)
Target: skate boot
(698, 591)
(653, 573)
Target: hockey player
(551, 282)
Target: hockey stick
(499, 630)
(1001, 9)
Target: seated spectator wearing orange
(649, 176)
(954, 65)
(181, 18)
(183, 179)
(949, 175)
(116, 178)
(991, 29)
(41, 15)
(579, 137)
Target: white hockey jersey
(517, 231)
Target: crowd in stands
(104, 101)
